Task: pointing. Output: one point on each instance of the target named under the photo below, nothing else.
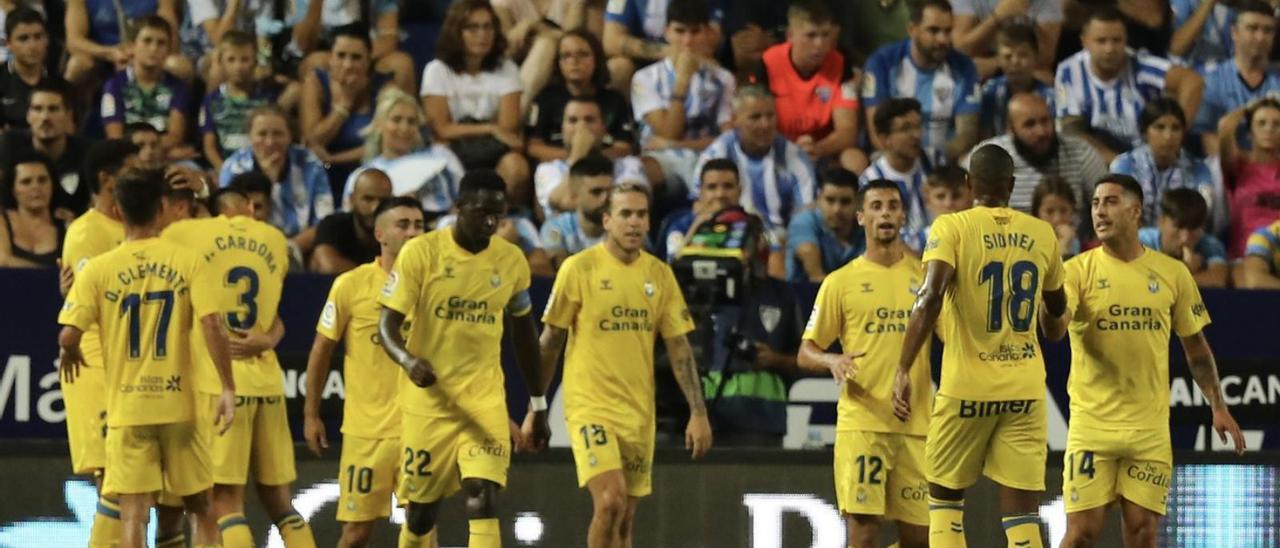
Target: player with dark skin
(479, 213)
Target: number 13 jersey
(1003, 260)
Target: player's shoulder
(584, 260)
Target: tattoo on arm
(1205, 372)
(686, 373)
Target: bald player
(345, 239)
(986, 268)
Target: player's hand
(69, 364)
(902, 395)
(247, 343)
(225, 412)
(697, 435)
(536, 430)
(181, 177)
(421, 374)
(842, 366)
(314, 432)
(66, 277)
(1224, 423)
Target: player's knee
(1141, 531)
(610, 504)
(1081, 533)
(913, 536)
(198, 503)
(357, 534)
(864, 530)
(421, 518)
(276, 500)
(481, 498)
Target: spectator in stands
(1253, 174)
(583, 127)
(682, 101)
(1102, 88)
(1201, 32)
(345, 239)
(207, 23)
(1160, 164)
(97, 31)
(315, 35)
(28, 44)
(225, 108)
(779, 178)
(148, 140)
(50, 135)
(257, 188)
(719, 186)
(533, 36)
(521, 232)
(1016, 54)
(1054, 202)
(338, 102)
(572, 231)
(946, 190)
(822, 239)
(30, 237)
(1039, 151)
(752, 27)
(300, 193)
(925, 65)
(1247, 75)
(978, 23)
(1179, 233)
(899, 124)
(868, 26)
(580, 72)
(637, 32)
(1260, 268)
(471, 93)
(816, 89)
(146, 92)
(395, 146)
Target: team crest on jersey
(648, 289)
(389, 288)
(914, 286)
(1153, 284)
(769, 317)
(495, 280)
(823, 93)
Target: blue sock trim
(224, 523)
(1021, 519)
(292, 519)
(107, 511)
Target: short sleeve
(802, 230)
(674, 318)
(553, 236)
(506, 80)
(970, 99)
(566, 298)
(112, 104)
(436, 78)
(1189, 314)
(943, 241)
(875, 81)
(80, 309)
(826, 321)
(203, 303)
(645, 95)
(520, 303)
(401, 291)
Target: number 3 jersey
(1003, 260)
(141, 297)
(247, 260)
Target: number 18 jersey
(1003, 260)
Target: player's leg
(135, 511)
(1084, 527)
(1143, 479)
(1016, 460)
(955, 451)
(204, 523)
(277, 500)
(483, 457)
(608, 508)
(911, 535)
(273, 465)
(86, 406)
(627, 532)
(1140, 525)
(906, 490)
(428, 462)
(419, 527)
(228, 506)
(482, 513)
(635, 447)
(134, 472)
(367, 474)
(860, 481)
(1090, 475)
(863, 530)
(170, 523)
(356, 534)
(229, 461)
(1020, 517)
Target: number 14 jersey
(1003, 260)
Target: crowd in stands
(319, 110)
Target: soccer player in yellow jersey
(879, 461)
(986, 269)
(609, 302)
(97, 231)
(142, 297)
(247, 261)
(459, 286)
(370, 464)
(1123, 301)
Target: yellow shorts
(1102, 465)
(438, 452)
(259, 435)
(367, 475)
(86, 403)
(151, 458)
(601, 448)
(1003, 440)
(881, 474)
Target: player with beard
(610, 303)
(572, 231)
(879, 461)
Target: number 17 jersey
(1003, 261)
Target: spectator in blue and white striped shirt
(900, 124)
(942, 80)
(778, 178)
(1016, 51)
(1102, 89)
(636, 31)
(1249, 74)
(1201, 32)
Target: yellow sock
(235, 531)
(106, 524)
(410, 540)
(946, 523)
(178, 540)
(1022, 530)
(484, 533)
(295, 531)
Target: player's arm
(1186, 87)
(317, 372)
(697, 435)
(1053, 315)
(216, 341)
(1205, 372)
(524, 336)
(71, 359)
(247, 343)
(924, 318)
(389, 323)
(1185, 37)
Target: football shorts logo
(393, 281)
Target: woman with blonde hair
(394, 144)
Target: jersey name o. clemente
(140, 296)
(614, 313)
(248, 260)
(866, 306)
(1122, 315)
(1003, 261)
(457, 300)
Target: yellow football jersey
(90, 235)
(457, 301)
(613, 312)
(1121, 317)
(248, 260)
(350, 316)
(1003, 260)
(866, 306)
(140, 296)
